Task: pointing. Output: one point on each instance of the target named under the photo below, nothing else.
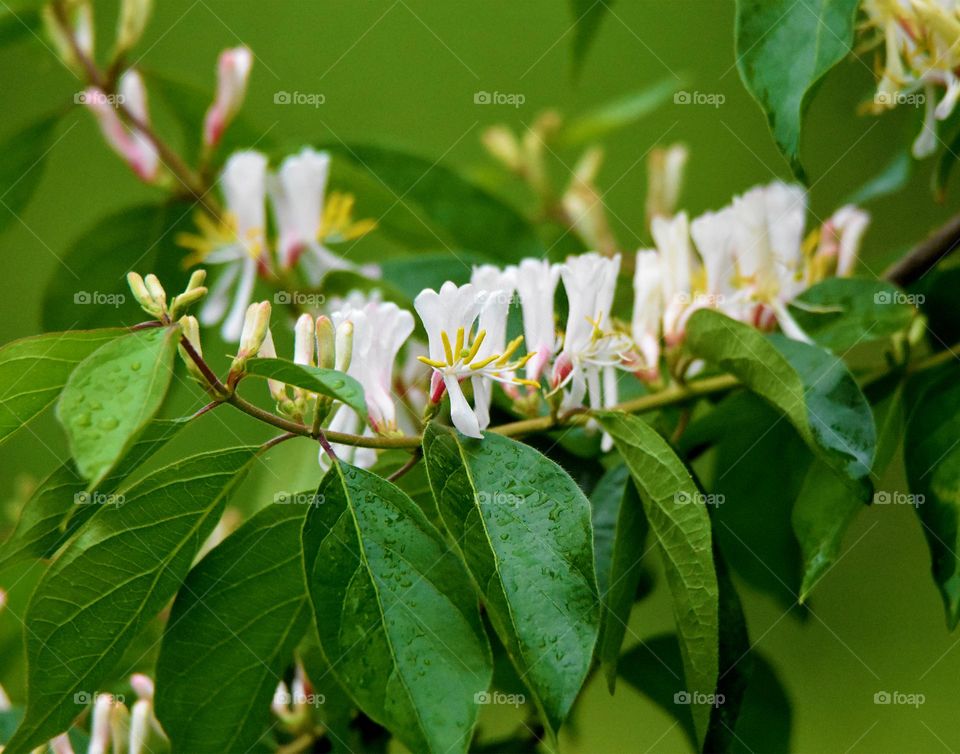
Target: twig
(926, 255)
(411, 462)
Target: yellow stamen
(431, 362)
(482, 364)
(529, 383)
(476, 346)
(458, 349)
(512, 346)
(523, 361)
(446, 346)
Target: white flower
(233, 71)
(647, 311)
(672, 239)
(499, 285)
(455, 351)
(297, 192)
(589, 342)
(136, 149)
(244, 189)
(840, 239)
(537, 284)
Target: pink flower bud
(233, 71)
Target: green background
(404, 73)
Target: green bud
(326, 343)
(185, 300)
(143, 295)
(190, 329)
(156, 290)
(134, 15)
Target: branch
(925, 255)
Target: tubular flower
(233, 71)
(672, 239)
(136, 149)
(455, 351)
(297, 192)
(590, 344)
(647, 313)
(237, 245)
(537, 284)
(921, 43)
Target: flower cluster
(921, 42)
(748, 260)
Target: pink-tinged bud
(437, 387)
(5, 704)
(233, 72)
(561, 370)
(132, 145)
(61, 744)
(142, 685)
(100, 724)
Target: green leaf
(810, 386)
(466, 215)
(940, 177)
(523, 528)
(784, 49)
(612, 116)
(680, 523)
(394, 609)
(112, 395)
(839, 313)
(894, 176)
(17, 24)
(328, 382)
(587, 18)
(90, 288)
(932, 457)
(25, 154)
(620, 531)
(232, 632)
(110, 580)
(34, 370)
(654, 667)
(60, 505)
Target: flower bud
(304, 340)
(157, 293)
(233, 72)
(143, 295)
(78, 18)
(256, 322)
(504, 146)
(665, 168)
(278, 391)
(134, 15)
(326, 342)
(190, 329)
(197, 279)
(186, 299)
(344, 347)
(100, 724)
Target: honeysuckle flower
(455, 352)
(237, 246)
(647, 314)
(672, 239)
(131, 144)
(536, 281)
(297, 192)
(590, 343)
(714, 234)
(233, 72)
(921, 58)
(665, 179)
(838, 244)
(499, 285)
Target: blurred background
(405, 73)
